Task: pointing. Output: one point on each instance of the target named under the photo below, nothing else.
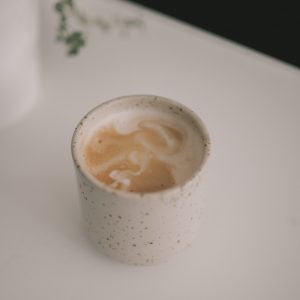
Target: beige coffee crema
(143, 152)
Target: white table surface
(248, 245)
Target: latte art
(142, 154)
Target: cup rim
(139, 195)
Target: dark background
(271, 29)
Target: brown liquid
(133, 161)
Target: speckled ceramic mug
(138, 228)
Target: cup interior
(135, 103)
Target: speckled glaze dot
(139, 229)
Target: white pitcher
(19, 59)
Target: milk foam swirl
(142, 154)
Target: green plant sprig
(76, 39)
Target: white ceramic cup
(139, 228)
